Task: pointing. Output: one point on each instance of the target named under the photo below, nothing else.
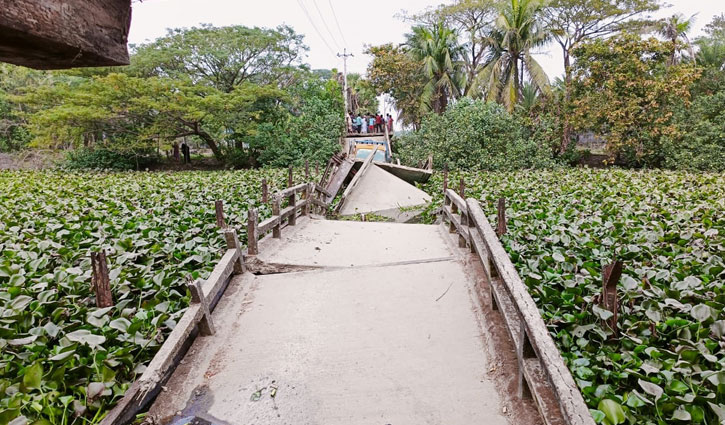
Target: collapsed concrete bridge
(320, 321)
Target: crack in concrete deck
(367, 338)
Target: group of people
(369, 123)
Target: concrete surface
(327, 243)
(394, 339)
(384, 194)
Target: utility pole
(344, 57)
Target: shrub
(108, 160)
(474, 135)
(702, 146)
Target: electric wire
(324, 22)
(337, 22)
(309, 18)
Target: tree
(572, 22)
(473, 21)
(711, 46)
(518, 31)
(393, 71)
(131, 114)
(437, 48)
(473, 134)
(624, 91)
(224, 57)
(674, 29)
(363, 98)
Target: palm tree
(518, 31)
(437, 48)
(675, 28)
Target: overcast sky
(368, 22)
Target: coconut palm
(437, 48)
(675, 29)
(510, 62)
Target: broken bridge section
(384, 329)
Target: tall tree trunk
(206, 137)
(566, 130)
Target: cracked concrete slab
(384, 194)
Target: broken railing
(301, 201)
(542, 374)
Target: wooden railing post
(307, 169)
(252, 232)
(462, 188)
(276, 209)
(610, 278)
(206, 326)
(100, 279)
(230, 235)
(501, 222)
(290, 176)
(219, 209)
(306, 195)
(445, 178)
(265, 191)
(293, 204)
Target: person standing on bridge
(364, 127)
(378, 123)
(371, 126)
(348, 123)
(358, 124)
(390, 124)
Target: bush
(703, 145)
(474, 135)
(109, 160)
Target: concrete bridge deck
(386, 330)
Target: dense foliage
(241, 92)
(666, 365)
(474, 135)
(63, 360)
(626, 92)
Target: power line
(309, 18)
(337, 21)
(324, 22)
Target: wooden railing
(542, 374)
(197, 319)
(301, 200)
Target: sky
(330, 26)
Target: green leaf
(701, 312)
(612, 410)
(33, 376)
(651, 389)
(602, 313)
(681, 415)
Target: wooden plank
(100, 279)
(252, 233)
(206, 324)
(337, 179)
(51, 34)
(230, 235)
(322, 190)
(286, 193)
(277, 230)
(570, 400)
(539, 388)
(409, 174)
(456, 200)
(268, 225)
(219, 210)
(162, 366)
(501, 217)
